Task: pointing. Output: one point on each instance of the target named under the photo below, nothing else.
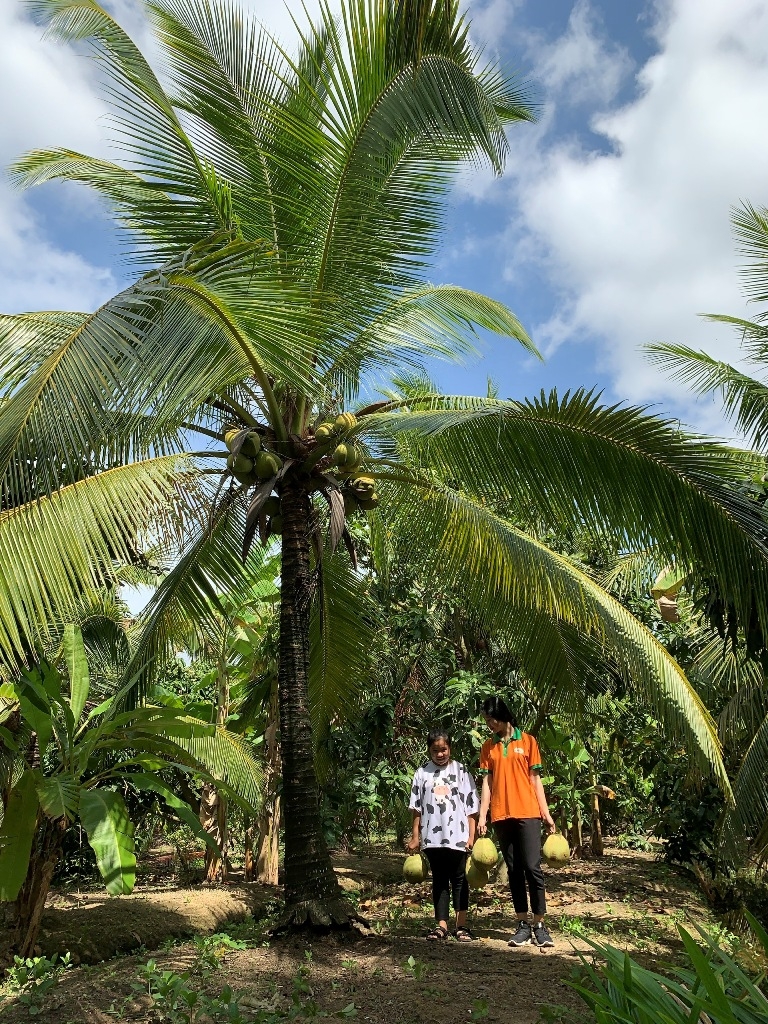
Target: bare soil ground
(393, 975)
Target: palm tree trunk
(312, 893)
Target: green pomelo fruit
(484, 853)
(239, 464)
(415, 868)
(251, 444)
(266, 466)
(556, 850)
(477, 877)
(272, 506)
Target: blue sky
(610, 227)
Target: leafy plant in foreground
(32, 978)
(711, 987)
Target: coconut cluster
(359, 490)
(250, 463)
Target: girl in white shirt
(445, 806)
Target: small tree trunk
(576, 834)
(213, 805)
(268, 851)
(30, 903)
(312, 892)
(596, 842)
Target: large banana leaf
(104, 817)
(17, 831)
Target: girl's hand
(549, 821)
(412, 845)
(481, 828)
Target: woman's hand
(481, 828)
(549, 822)
(412, 845)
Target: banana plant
(69, 762)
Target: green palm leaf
(562, 457)
(498, 568)
(55, 549)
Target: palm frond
(56, 549)
(563, 457)
(498, 568)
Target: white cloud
(637, 240)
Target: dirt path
(393, 975)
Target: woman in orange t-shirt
(510, 764)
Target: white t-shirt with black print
(444, 797)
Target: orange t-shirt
(508, 762)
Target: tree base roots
(320, 916)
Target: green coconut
(484, 853)
(272, 506)
(369, 502)
(276, 524)
(344, 422)
(239, 464)
(351, 504)
(556, 850)
(415, 868)
(266, 465)
(363, 485)
(477, 877)
(251, 444)
(229, 437)
(324, 431)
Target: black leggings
(447, 868)
(520, 843)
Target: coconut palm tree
(283, 210)
(744, 719)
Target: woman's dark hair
(495, 707)
(437, 734)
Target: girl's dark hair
(495, 707)
(437, 734)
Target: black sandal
(438, 934)
(463, 935)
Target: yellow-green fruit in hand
(484, 853)
(266, 465)
(324, 431)
(477, 877)
(345, 421)
(239, 464)
(251, 444)
(556, 850)
(369, 502)
(276, 524)
(229, 438)
(272, 506)
(415, 868)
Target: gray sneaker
(522, 936)
(541, 936)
